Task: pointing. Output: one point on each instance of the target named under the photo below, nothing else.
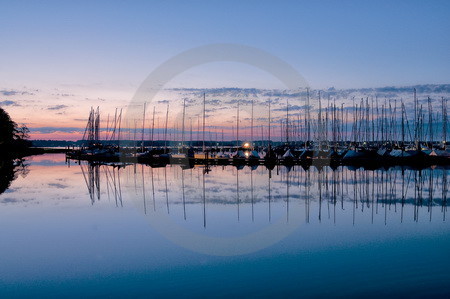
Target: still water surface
(135, 230)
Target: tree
(13, 139)
(22, 133)
(7, 128)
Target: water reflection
(91, 175)
(65, 224)
(259, 193)
(9, 170)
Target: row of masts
(366, 123)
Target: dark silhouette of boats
(378, 137)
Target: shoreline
(34, 151)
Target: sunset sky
(60, 58)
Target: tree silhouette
(7, 128)
(13, 139)
(13, 145)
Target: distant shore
(32, 151)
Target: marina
(368, 134)
(224, 149)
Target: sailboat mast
(403, 126)
(165, 129)
(134, 137)
(416, 121)
(319, 124)
(120, 124)
(287, 122)
(444, 121)
(113, 131)
(153, 124)
(251, 129)
(97, 126)
(190, 139)
(182, 125)
(204, 112)
(237, 127)
(430, 122)
(308, 118)
(143, 129)
(107, 127)
(269, 141)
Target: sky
(99, 52)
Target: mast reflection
(387, 195)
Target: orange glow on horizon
(56, 136)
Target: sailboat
(182, 156)
(239, 157)
(442, 153)
(253, 157)
(270, 158)
(203, 156)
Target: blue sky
(118, 43)
(59, 58)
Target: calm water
(102, 230)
